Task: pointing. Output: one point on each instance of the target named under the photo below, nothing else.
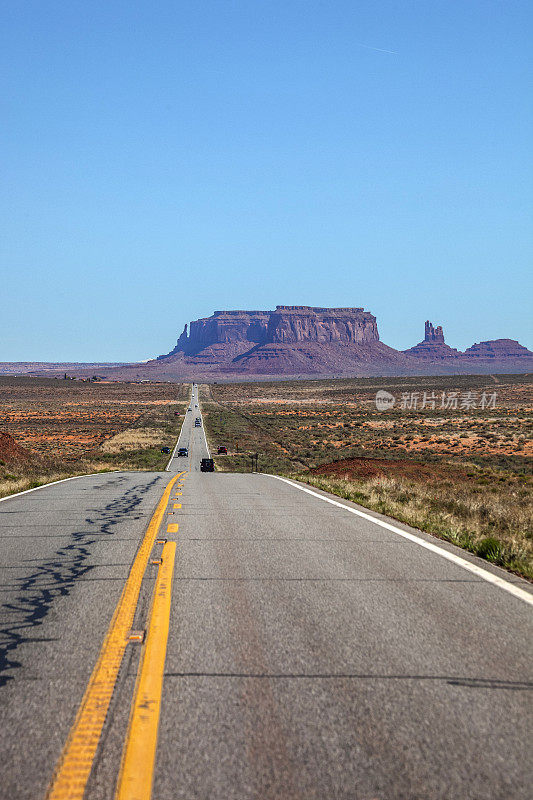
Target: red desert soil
(383, 467)
(13, 453)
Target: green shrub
(490, 548)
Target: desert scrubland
(451, 457)
(54, 428)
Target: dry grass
(461, 475)
(41, 478)
(316, 422)
(133, 439)
(72, 428)
(467, 516)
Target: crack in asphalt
(57, 576)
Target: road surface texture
(311, 652)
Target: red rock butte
(433, 347)
(310, 340)
(299, 341)
(286, 324)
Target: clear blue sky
(161, 160)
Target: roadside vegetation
(494, 524)
(462, 474)
(52, 429)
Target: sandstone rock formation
(223, 327)
(498, 349)
(291, 324)
(287, 324)
(433, 347)
(289, 340)
(433, 334)
(303, 341)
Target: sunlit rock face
(433, 347)
(292, 324)
(287, 324)
(307, 340)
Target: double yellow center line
(74, 765)
(137, 769)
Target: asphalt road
(311, 652)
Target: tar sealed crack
(57, 576)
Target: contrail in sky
(378, 49)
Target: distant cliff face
(291, 324)
(228, 326)
(287, 324)
(304, 340)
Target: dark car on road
(222, 450)
(183, 451)
(197, 422)
(165, 449)
(207, 465)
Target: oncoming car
(183, 451)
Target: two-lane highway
(66, 551)
(312, 652)
(191, 437)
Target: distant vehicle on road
(207, 465)
(222, 450)
(165, 449)
(183, 451)
(197, 422)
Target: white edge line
(205, 437)
(62, 480)
(203, 427)
(179, 437)
(521, 594)
(88, 474)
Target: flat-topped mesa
(228, 326)
(433, 346)
(291, 324)
(315, 341)
(287, 324)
